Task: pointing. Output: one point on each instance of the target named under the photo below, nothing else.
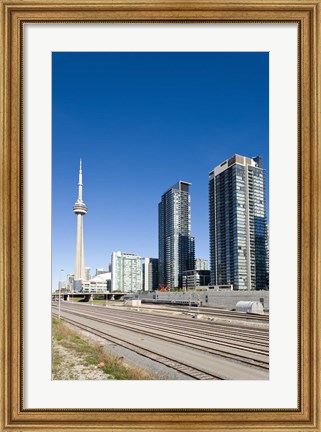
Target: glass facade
(150, 274)
(196, 278)
(126, 272)
(201, 264)
(176, 245)
(238, 237)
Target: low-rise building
(100, 283)
(196, 278)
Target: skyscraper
(87, 273)
(80, 210)
(176, 245)
(268, 255)
(150, 274)
(238, 223)
(126, 273)
(201, 264)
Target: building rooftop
(237, 159)
(102, 277)
(180, 185)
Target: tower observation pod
(80, 209)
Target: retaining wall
(220, 299)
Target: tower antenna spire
(80, 182)
(80, 209)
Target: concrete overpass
(86, 297)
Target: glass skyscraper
(126, 272)
(238, 233)
(176, 245)
(150, 274)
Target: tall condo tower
(126, 272)
(80, 210)
(175, 243)
(238, 224)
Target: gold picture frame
(13, 416)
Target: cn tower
(80, 210)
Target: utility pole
(59, 282)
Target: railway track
(247, 354)
(136, 321)
(253, 334)
(181, 367)
(261, 333)
(246, 336)
(212, 311)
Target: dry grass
(87, 354)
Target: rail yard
(202, 344)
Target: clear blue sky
(141, 122)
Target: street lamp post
(60, 272)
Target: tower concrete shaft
(80, 210)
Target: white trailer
(249, 307)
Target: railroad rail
(181, 367)
(209, 310)
(242, 346)
(136, 320)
